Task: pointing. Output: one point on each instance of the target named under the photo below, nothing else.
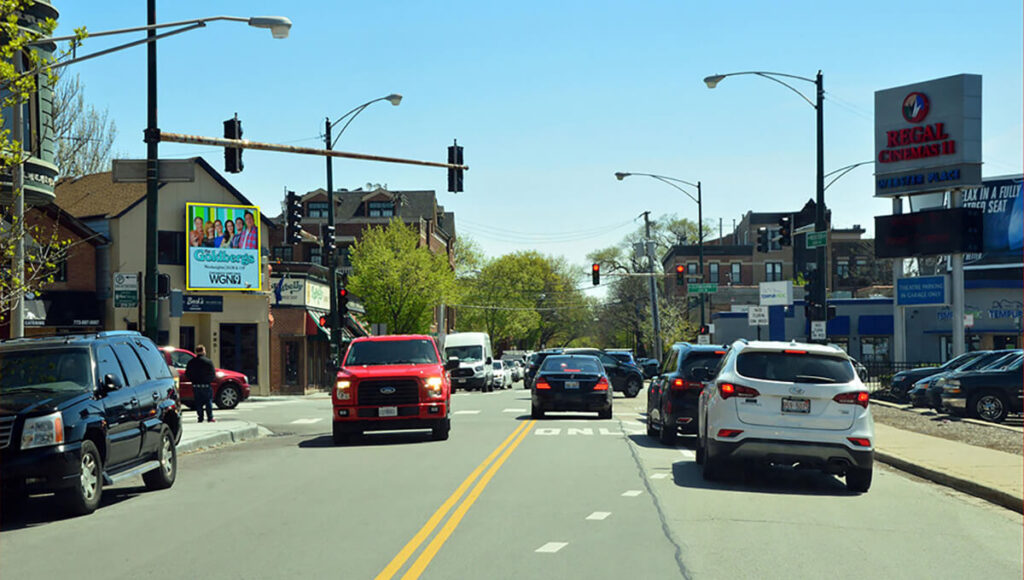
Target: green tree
(399, 283)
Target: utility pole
(649, 252)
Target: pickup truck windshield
(391, 352)
(58, 370)
(468, 353)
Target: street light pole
(152, 139)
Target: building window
(843, 269)
(874, 348)
(772, 271)
(713, 272)
(316, 209)
(691, 268)
(283, 253)
(315, 255)
(381, 208)
(737, 273)
(171, 248)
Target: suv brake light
(542, 384)
(727, 390)
(853, 398)
(682, 385)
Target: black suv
(625, 376)
(79, 412)
(537, 359)
(673, 395)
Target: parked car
(650, 367)
(571, 382)
(989, 394)
(83, 411)
(624, 376)
(918, 395)
(786, 403)
(392, 382)
(230, 388)
(672, 396)
(502, 375)
(903, 381)
(517, 371)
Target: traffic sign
(126, 290)
(757, 316)
(816, 239)
(818, 330)
(707, 288)
(703, 339)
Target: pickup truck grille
(6, 428)
(406, 392)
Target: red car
(230, 388)
(392, 382)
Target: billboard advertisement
(999, 199)
(223, 247)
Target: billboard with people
(223, 247)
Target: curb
(991, 494)
(228, 437)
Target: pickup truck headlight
(434, 387)
(43, 431)
(341, 390)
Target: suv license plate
(572, 384)
(796, 405)
(387, 412)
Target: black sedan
(571, 383)
(904, 381)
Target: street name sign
(757, 316)
(704, 288)
(816, 239)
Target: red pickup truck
(392, 382)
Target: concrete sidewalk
(991, 475)
(197, 436)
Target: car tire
(699, 453)
(163, 477)
(440, 433)
(633, 387)
(900, 394)
(989, 406)
(341, 436)
(667, 434)
(858, 480)
(711, 467)
(84, 497)
(228, 396)
(651, 431)
(605, 414)
(536, 412)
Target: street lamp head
(394, 98)
(620, 175)
(278, 25)
(713, 80)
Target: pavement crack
(665, 529)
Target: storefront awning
(313, 326)
(877, 324)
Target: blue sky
(549, 99)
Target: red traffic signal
(704, 329)
(680, 275)
(323, 321)
(595, 272)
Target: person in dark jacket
(201, 373)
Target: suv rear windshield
(794, 368)
(572, 364)
(391, 352)
(697, 360)
(65, 369)
(468, 353)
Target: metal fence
(877, 375)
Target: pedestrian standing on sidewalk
(201, 373)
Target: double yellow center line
(504, 450)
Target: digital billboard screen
(223, 247)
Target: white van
(473, 349)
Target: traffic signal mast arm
(246, 144)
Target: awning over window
(67, 309)
(313, 326)
(878, 324)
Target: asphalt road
(569, 496)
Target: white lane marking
(547, 431)
(659, 476)
(306, 421)
(513, 411)
(599, 515)
(688, 453)
(476, 412)
(632, 493)
(551, 547)
(582, 431)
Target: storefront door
(239, 349)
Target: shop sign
(318, 295)
(776, 293)
(203, 304)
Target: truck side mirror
(489, 360)
(452, 364)
(111, 383)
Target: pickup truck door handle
(156, 396)
(134, 402)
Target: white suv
(786, 403)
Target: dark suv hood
(37, 401)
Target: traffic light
(785, 231)
(323, 321)
(233, 155)
(680, 275)
(762, 240)
(704, 329)
(342, 302)
(455, 175)
(293, 217)
(329, 241)
(595, 274)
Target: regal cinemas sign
(928, 136)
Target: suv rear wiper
(813, 379)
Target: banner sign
(223, 247)
(1000, 202)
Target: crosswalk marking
(599, 515)
(659, 476)
(631, 493)
(467, 412)
(551, 547)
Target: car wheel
(699, 455)
(858, 480)
(536, 412)
(440, 433)
(605, 414)
(84, 497)
(651, 431)
(228, 397)
(899, 394)
(712, 467)
(163, 476)
(633, 387)
(667, 433)
(990, 407)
